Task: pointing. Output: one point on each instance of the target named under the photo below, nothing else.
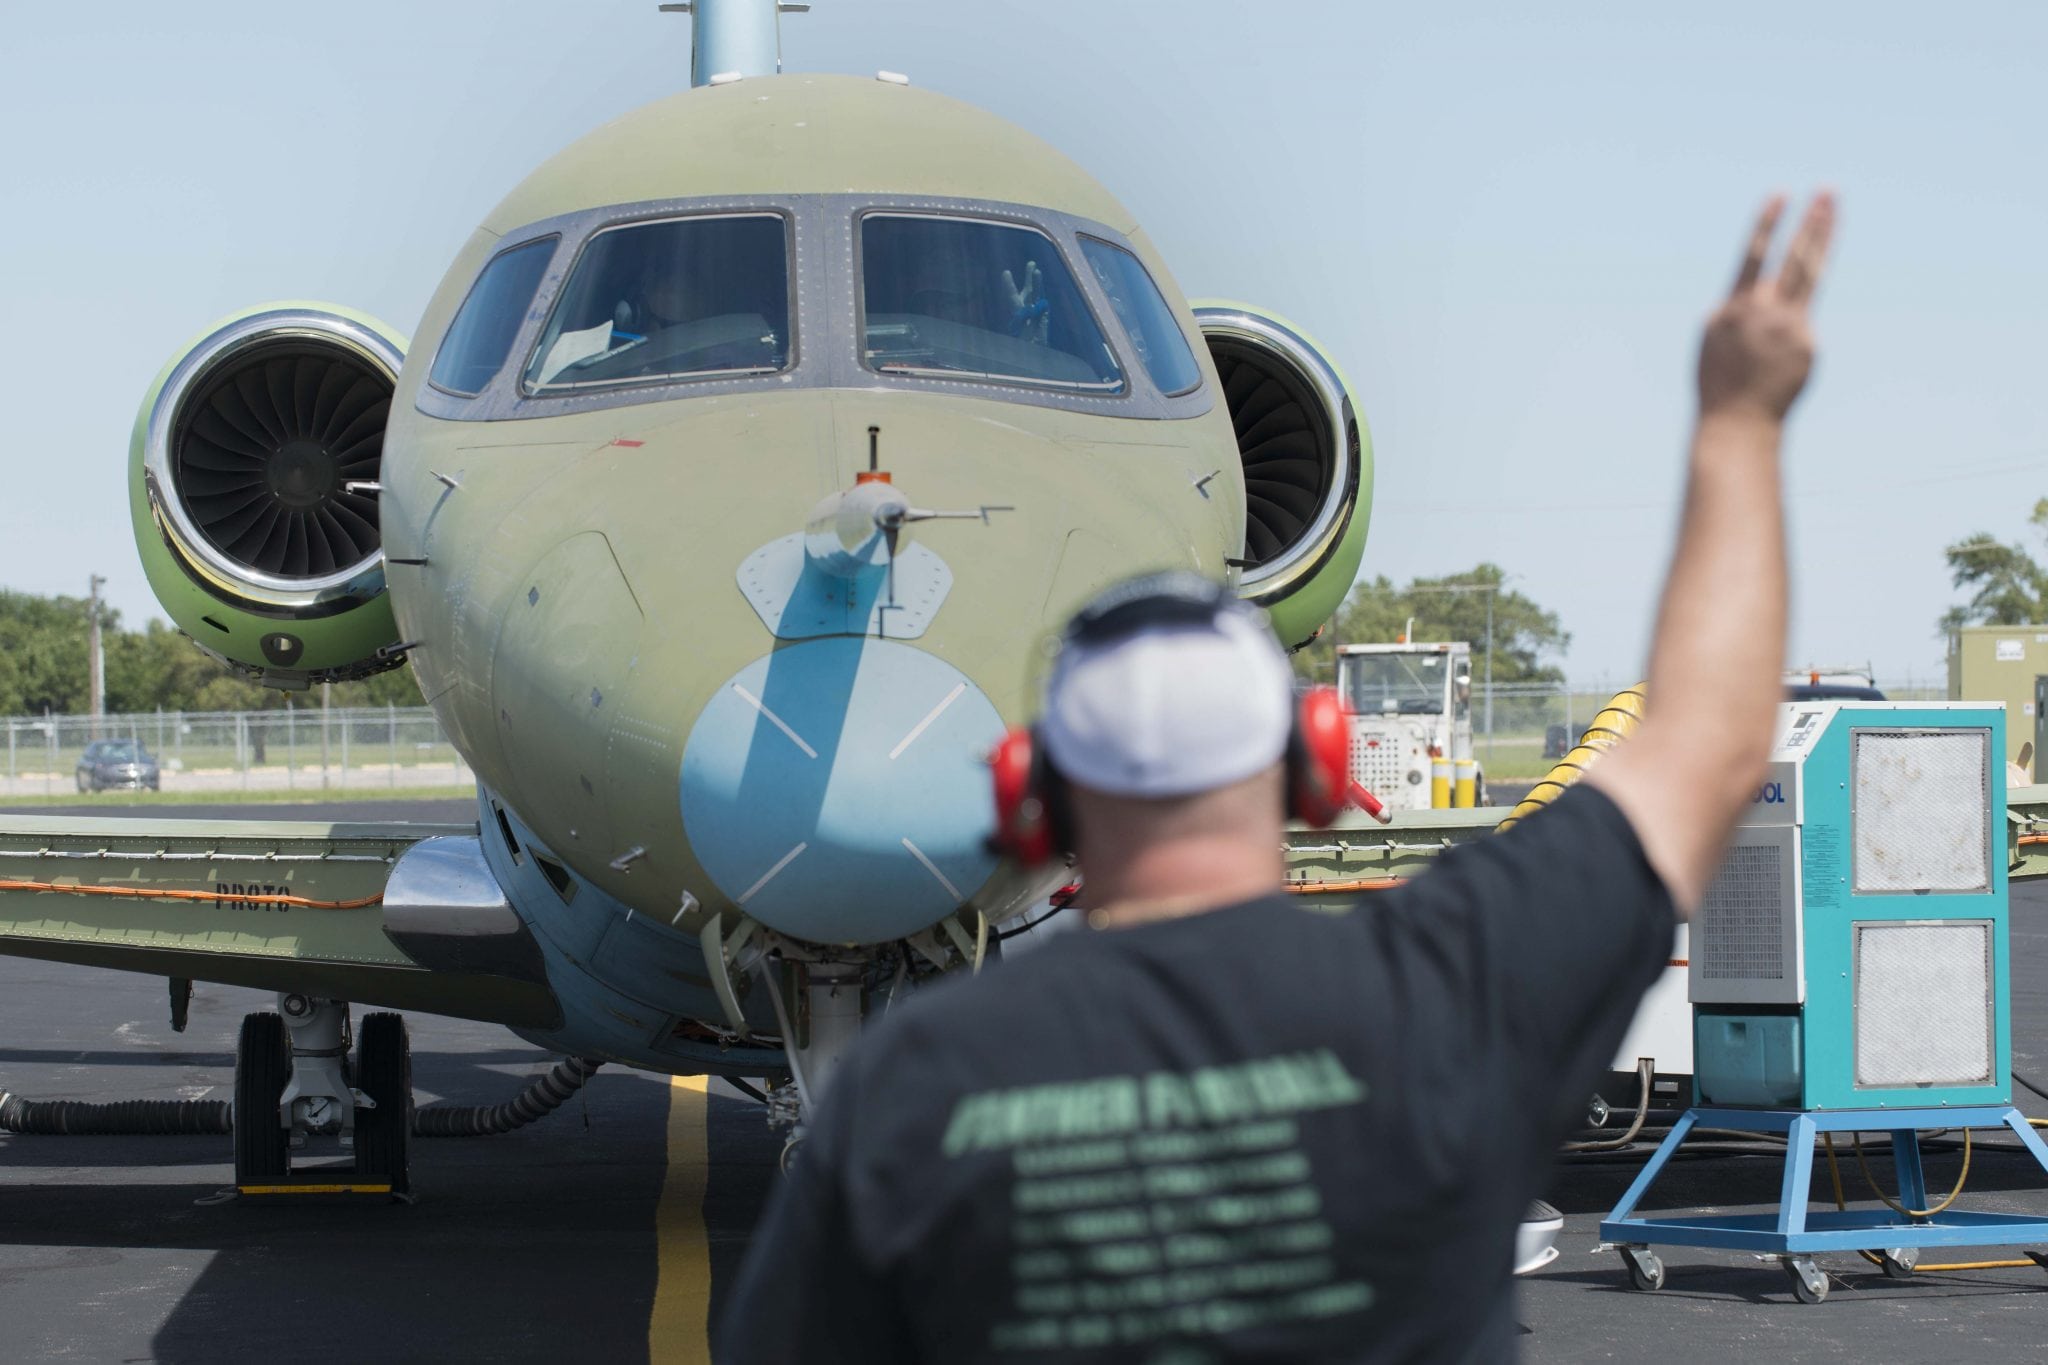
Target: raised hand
(1031, 313)
(1758, 347)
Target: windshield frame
(824, 302)
(504, 250)
(792, 355)
(1122, 388)
(1194, 347)
(1404, 663)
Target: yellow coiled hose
(1616, 722)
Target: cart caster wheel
(1645, 1270)
(1898, 1262)
(1809, 1281)
(792, 1151)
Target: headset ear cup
(1319, 767)
(1024, 827)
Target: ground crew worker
(1223, 1127)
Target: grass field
(1510, 765)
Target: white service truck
(1411, 724)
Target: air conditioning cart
(1849, 975)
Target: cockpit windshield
(955, 298)
(1147, 318)
(668, 300)
(1412, 684)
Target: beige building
(2008, 664)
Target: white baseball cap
(1165, 686)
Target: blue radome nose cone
(836, 789)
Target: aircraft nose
(835, 789)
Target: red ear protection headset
(1033, 817)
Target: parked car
(117, 763)
(1557, 741)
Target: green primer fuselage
(579, 607)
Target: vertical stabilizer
(734, 37)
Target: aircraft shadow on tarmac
(534, 1244)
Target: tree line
(1526, 636)
(45, 667)
(2006, 584)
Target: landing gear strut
(835, 1002)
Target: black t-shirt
(1258, 1133)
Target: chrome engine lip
(1280, 574)
(221, 572)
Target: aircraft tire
(384, 1073)
(263, 1066)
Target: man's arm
(1717, 663)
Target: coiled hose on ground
(149, 1118)
(544, 1096)
(1615, 722)
(185, 1118)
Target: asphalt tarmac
(600, 1233)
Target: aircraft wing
(288, 906)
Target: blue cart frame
(1794, 1233)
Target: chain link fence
(1518, 729)
(293, 749)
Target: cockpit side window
(954, 298)
(1161, 345)
(683, 297)
(481, 336)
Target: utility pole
(98, 658)
(1492, 592)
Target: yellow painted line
(314, 1189)
(678, 1330)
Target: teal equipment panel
(1852, 952)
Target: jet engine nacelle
(253, 489)
(1307, 465)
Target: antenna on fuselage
(733, 39)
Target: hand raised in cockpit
(1031, 311)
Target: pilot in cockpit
(673, 298)
(668, 293)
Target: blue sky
(1505, 221)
